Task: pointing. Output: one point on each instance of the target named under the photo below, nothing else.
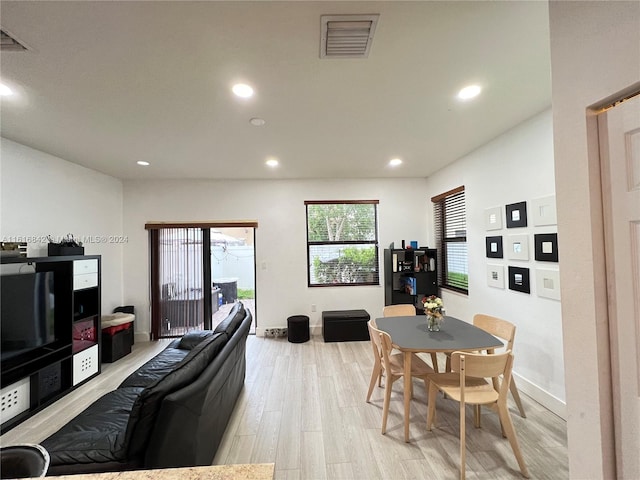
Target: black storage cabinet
(345, 325)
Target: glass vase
(434, 322)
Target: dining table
(410, 334)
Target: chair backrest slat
(479, 365)
(497, 327)
(381, 341)
(400, 310)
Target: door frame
(607, 353)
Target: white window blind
(449, 211)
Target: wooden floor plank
(266, 444)
(340, 471)
(289, 440)
(311, 417)
(313, 460)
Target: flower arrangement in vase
(434, 310)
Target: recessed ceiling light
(469, 92)
(272, 162)
(143, 163)
(257, 122)
(4, 90)
(394, 162)
(242, 90)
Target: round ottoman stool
(298, 329)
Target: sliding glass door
(198, 272)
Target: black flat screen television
(27, 306)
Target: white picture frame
(517, 247)
(495, 275)
(493, 218)
(548, 283)
(543, 211)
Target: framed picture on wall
(543, 211)
(518, 247)
(495, 276)
(516, 215)
(493, 218)
(494, 247)
(519, 279)
(546, 247)
(548, 283)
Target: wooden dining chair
(402, 310)
(468, 385)
(392, 366)
(377, 365)
(399, 310)
(506, 331)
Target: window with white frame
(342, 243)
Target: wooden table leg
(407, 393)
(434, 361)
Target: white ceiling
(110, 83)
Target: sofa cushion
(233, 320)
(97, 435)
(191, 339)
(146, 407)
(158, 367)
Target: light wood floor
(303, 407)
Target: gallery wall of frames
(523, 261)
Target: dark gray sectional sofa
(171, 412)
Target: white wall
(595, 53)
(515, 167)
(278, 206)
(44, 195)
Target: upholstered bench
(345, 325)
(117, 335)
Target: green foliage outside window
(460, 280)
(246, 293)
(354, 265)
(341, 222)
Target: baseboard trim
(141, 337)
(544, 398)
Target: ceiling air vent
(8, 43)
(346, 36)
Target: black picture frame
(519, 279)
(516, 215)
(546, 247)
(493, 246)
